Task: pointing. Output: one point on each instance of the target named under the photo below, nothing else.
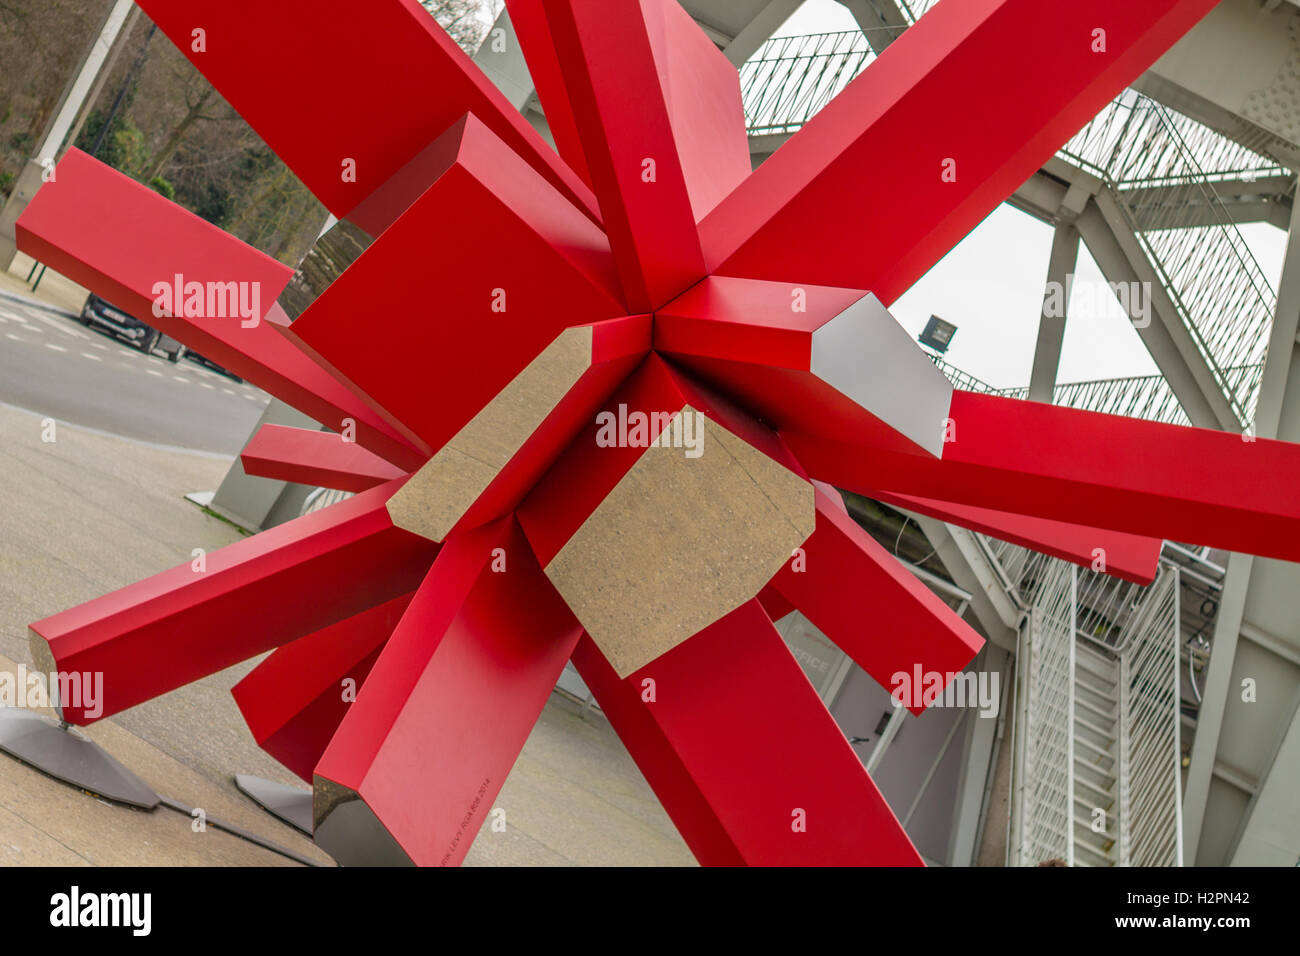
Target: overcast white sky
(991, 285)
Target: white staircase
(1096, 778)
(1096, 757)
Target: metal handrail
(1136, 396)
(1134, 145)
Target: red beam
(617, 346)
(809, 358)
(448, 705)
(1146, 478)
(586, 472)
(294, 700)
(321, 82)
(314, 458)
(1132, 557)
(459, 324)
(191, 621)
(736, 709)
(121, 240)
(622, 704)
(859, 197)
(657, 109)
(887, 620)
(528, 17)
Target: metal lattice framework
(1164, 168)
(595, 401)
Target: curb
(36, 304)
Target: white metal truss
(1096, 750)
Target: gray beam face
(979, 760)
(1262, 200)
(1051, 325)
(250, 502)
(997, 615)
(501, 58)
(724, 21)
(759, 30)
(866, 355)
(1268, 833)
(1236, 73)
(881, 21)
(1262, 738)
(1244, 763)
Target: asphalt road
(56, 367)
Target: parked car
(98, 313)
(206, 362)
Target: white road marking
(61, 326)
(93, 358)
(228, 391)
(153, 371)
(181, 378)
(57, 348)
(10, 335)
(31, 328)
(206, 385)
(99, 345)
(251, 398)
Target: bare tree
(466, 21)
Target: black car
(206, 362)
(97, 312)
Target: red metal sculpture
(588, 401)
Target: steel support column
(1051, 323)
(1238, 800)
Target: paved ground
(52, 364)
(91, 512)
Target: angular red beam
(887, 620)
(866, 197)
(777, 775)
(1131, 557)
(586, 471)
(774, 603)
(459, 325)
(1146, 478)
(621, 702)
(120, 239)
(314, 458)
(654, 102)
(528, 17)
(827, 361)
(446, 708)
(196, 619)
(276, 64)
(295, 699)
(613, 349)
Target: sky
(991, 284)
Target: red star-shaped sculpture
(587, 401)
